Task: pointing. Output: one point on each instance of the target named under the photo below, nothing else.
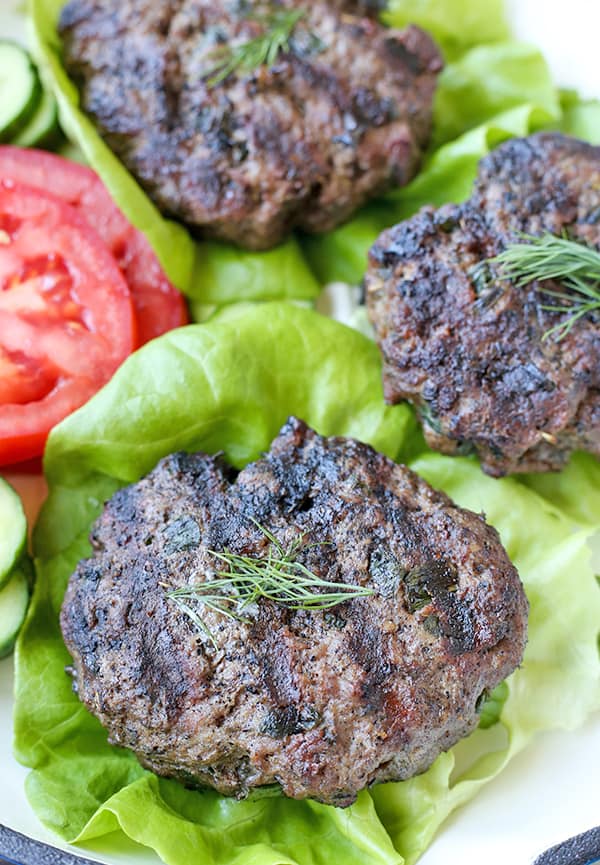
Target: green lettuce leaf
(490, 94)
(580, 118)
(456, 24)
(228, 385)
(210, 273)
(582, 474)
(486, 94)
(488, 81)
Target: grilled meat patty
(470, 352)
(322, 703)
(340, 116)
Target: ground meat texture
(322, 703)
(360, 7)
(341, 116)
(469, 352)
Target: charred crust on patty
(322, 703)
(468, 347)
(301, 143)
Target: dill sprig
(262, 50)
(574, 265)
(277, 577)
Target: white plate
(552, 790)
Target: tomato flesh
(66, 317)
(158, 305)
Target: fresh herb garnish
(575, 265)
(263, 50)
(278, 577)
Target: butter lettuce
(580, 118)
(447, 176)
(228, 385)
(490, 93)
(455, 24)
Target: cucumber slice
(42, 129)
(20, 89)
(14, 599)
(13, 530)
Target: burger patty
(341, 114)
(471, 350)
(321, 702)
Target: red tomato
(66, 317)
(158, 305)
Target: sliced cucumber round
(13, 530)
(14, 599)
(42, 129)
(20, 89)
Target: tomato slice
(66, 317)
(158, 305)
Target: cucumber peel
(14, 600)
(42, 130)
(20, 89)
(13, 530)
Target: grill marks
(321, 703)
(470, 353)
(340, 117)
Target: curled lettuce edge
(83, 788)
(225, 397)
